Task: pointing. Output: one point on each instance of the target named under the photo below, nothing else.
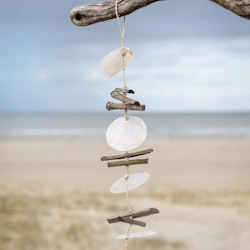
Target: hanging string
(126, 239)
(122, 34)
(127, 191)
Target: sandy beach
(201, 187)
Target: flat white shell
(134, 181)
(136, 235)
(125, 135)
(112, 63)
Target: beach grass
(36, 217)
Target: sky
(190, 56)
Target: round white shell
(134, 181)
(112, 63)
(136, 235)
(125, 135)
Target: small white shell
(136, 235)
(134, 181)
(125, 135)
(112, 63)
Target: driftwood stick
(93, 13)
(133, 222)
(127, 163)
(84, 15)
(125, 91)
(111, 106)
(117, 95)
(129, 218)
(126, 155)
(239, 7)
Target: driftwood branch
(239, 7)
(87, 14)
(111, 106)
(126, 155)
(93, 13)
(127, 163)
(130, 218)
(121, 97)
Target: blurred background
(191, 70)
(189, 56)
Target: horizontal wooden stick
(112, 106)
(127, 163)
(129, 218)
(126, 155)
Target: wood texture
(239, 7)
(129, 218)
(84, 15)
(121, 97)
(93, 13)
(126, 155)
(127, 163)
(112, 106)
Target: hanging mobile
(124, 134)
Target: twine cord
(123, 52)
(126, 239)
(127, 191)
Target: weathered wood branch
(130, 218)
(239, 7)
(127, 163)
(121, 97)
(84, 15)
(126, 155)
(87, 14)
(111, 106)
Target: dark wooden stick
(129, 218)
(127, 163)
(126, 155)
(112, 106)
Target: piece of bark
(126, 155)
(127, 163)
(112, 106)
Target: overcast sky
(190, 55)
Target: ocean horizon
(94, 125)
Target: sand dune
(54, 195)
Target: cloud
(185, 58)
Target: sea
(94, 125)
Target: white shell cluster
(114, 62)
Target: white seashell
(136, 235)
(134, 181)
(125, 135)
(112, 63)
